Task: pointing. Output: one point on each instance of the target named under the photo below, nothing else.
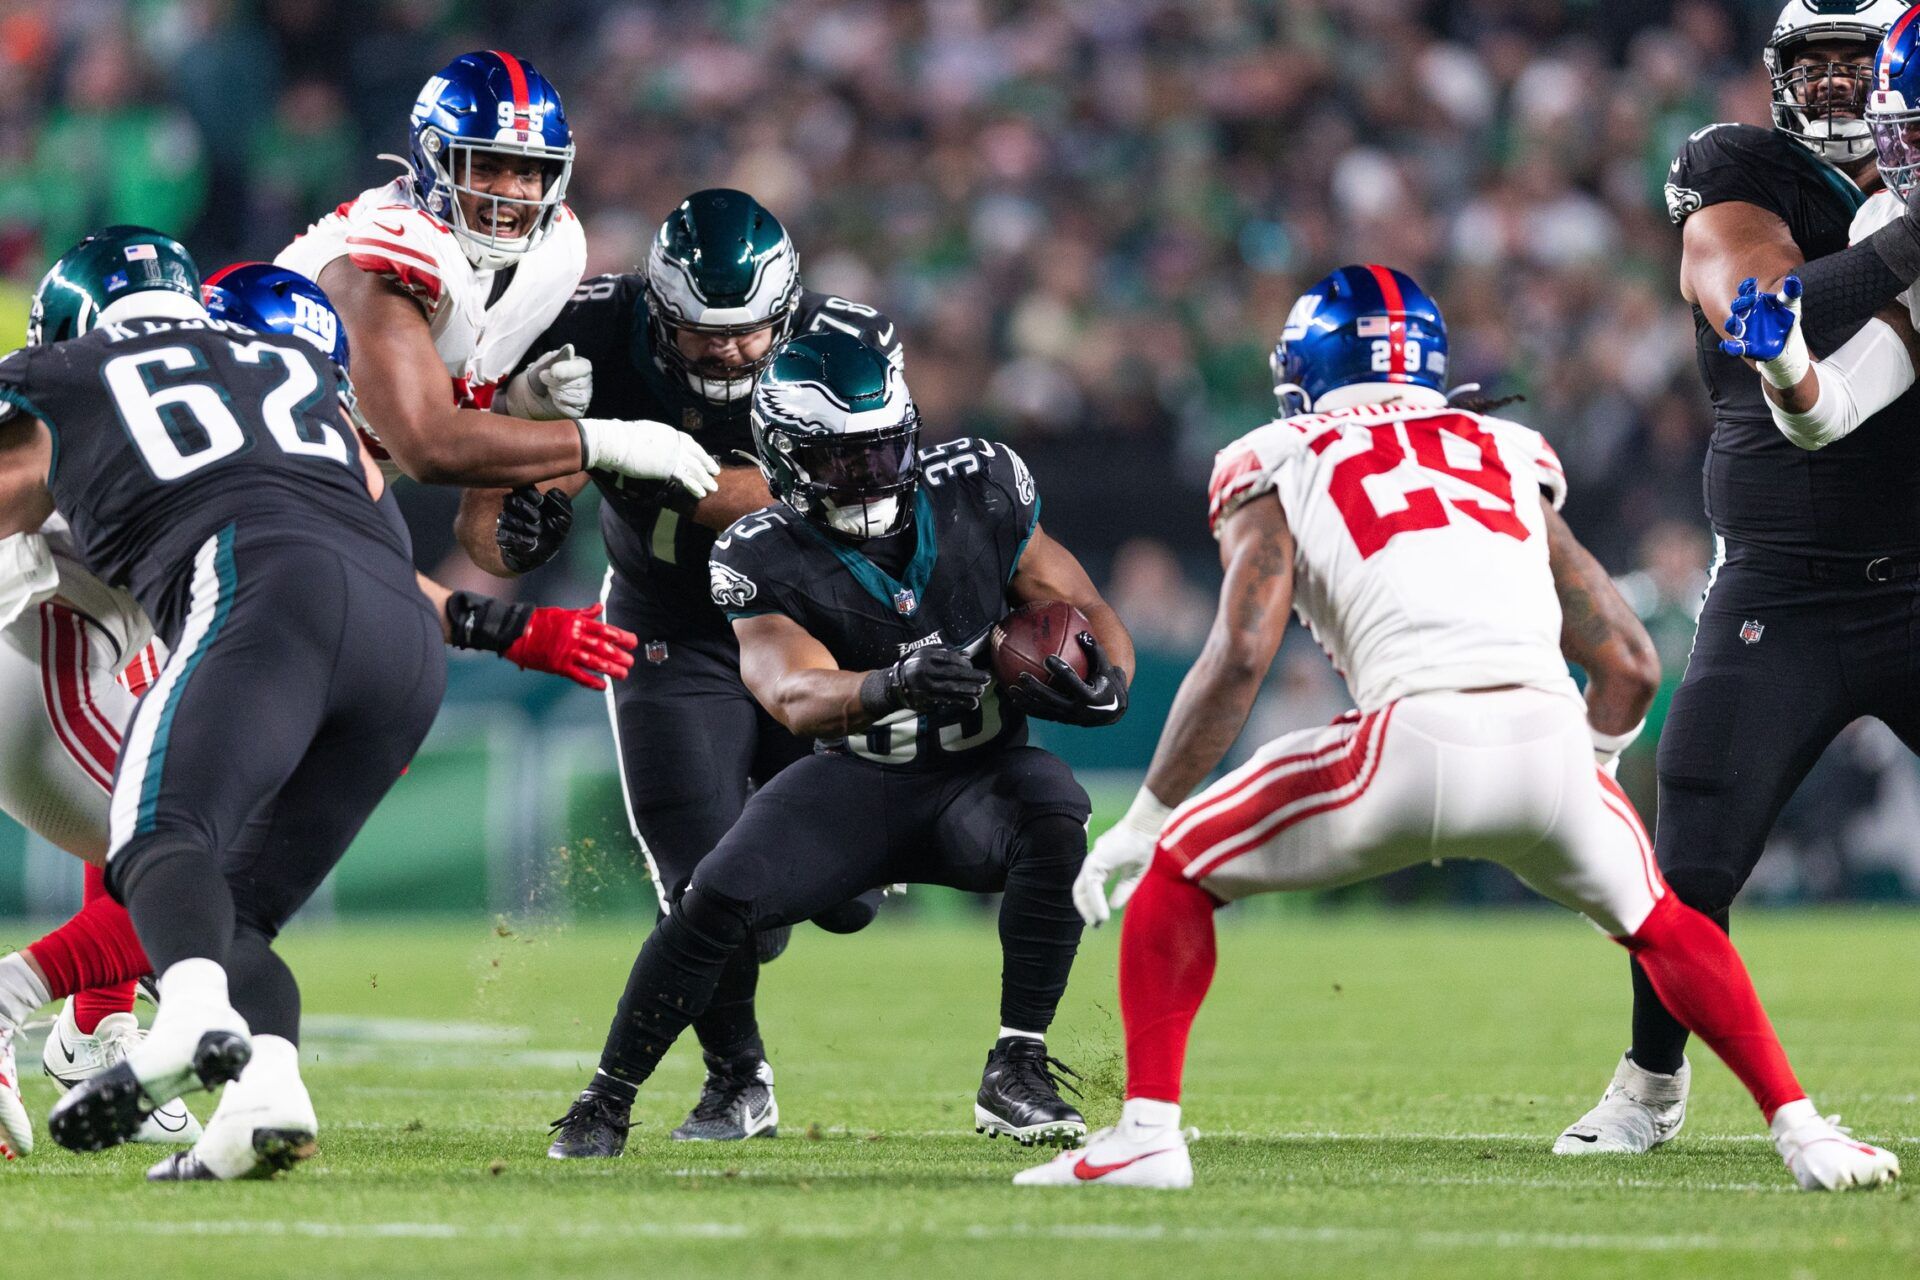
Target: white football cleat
(1822, 1156)
(197, 1041)
(265, 1123)
(16, 1126)
(1127, 1155)
(1640, 1110)
(71, 1056)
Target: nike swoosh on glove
(1070, 700)
(573, 643)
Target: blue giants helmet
(1893, 103)
(1361, 325)
(489, 103)
(273, 299)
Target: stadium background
(1089, 219)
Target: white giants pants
(1507, 776)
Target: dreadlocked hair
(1470, 398)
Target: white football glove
(557, 385)
(1126, 850)
(649, 451)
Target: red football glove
(573, 643)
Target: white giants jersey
(480, 338)
(1420, 558)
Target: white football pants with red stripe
(1504, 775)
(62, 712)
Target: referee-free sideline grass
(1377, 1094)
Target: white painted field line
(766, 1233)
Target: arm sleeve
(1868, 373)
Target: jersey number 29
(164, 421)
(1372, 528)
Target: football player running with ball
(1807, 624)
(863, 599)
(682, 341)
(1423, 545)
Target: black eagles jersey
(1859, 495)
(974, 511)
(662, 554)
(166, 431)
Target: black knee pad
(714, 918)
(1708, 890)
(1053, 845)
(853, 915)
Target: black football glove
(532, 526)
(934, 679)
(1100, 699)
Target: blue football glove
(1761, 323)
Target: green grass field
(1377, 1094)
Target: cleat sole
(100, 1113)
(220, 1057)
(281, 1149)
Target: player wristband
(881, 693)
(1146, 814)
(482, 622)
(1608, 746)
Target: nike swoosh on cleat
(1087, 1171)
(161, 1118)
(1584, 1137)
(65, 1052)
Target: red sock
(1166, 965)
(96, 952)
(1703, 982)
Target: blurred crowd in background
(1089, 218)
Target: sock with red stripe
(96, 949)
(1703, 982)
(1167, 957)
(95, 1003)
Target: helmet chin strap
(865, 519)
(152, 304)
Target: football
(1027, 637)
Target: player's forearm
(820, 703)
(475, 528)
(471, 447)
(437, 596)
(1208, 713)
(742, 491)
(1600, 634)
(1830, 400)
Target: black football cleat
(1020, 1096)
(109, 1109)
(736, 1103)
(594, 1128)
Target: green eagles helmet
(721, 266)
(835, 430)
(102, 269)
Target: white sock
(21, 991)
(1024, 1035)
(274, 1056)
(1793, 1115)
(194, 982)
(1150, 1113)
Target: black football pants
(300, 682)
(1788, 653)
(833, 826)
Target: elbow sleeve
(1868, 373)
(1845, 289)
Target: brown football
(1027, 637)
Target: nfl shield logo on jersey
(1750, 631)
(904, 600)
(656, 651)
